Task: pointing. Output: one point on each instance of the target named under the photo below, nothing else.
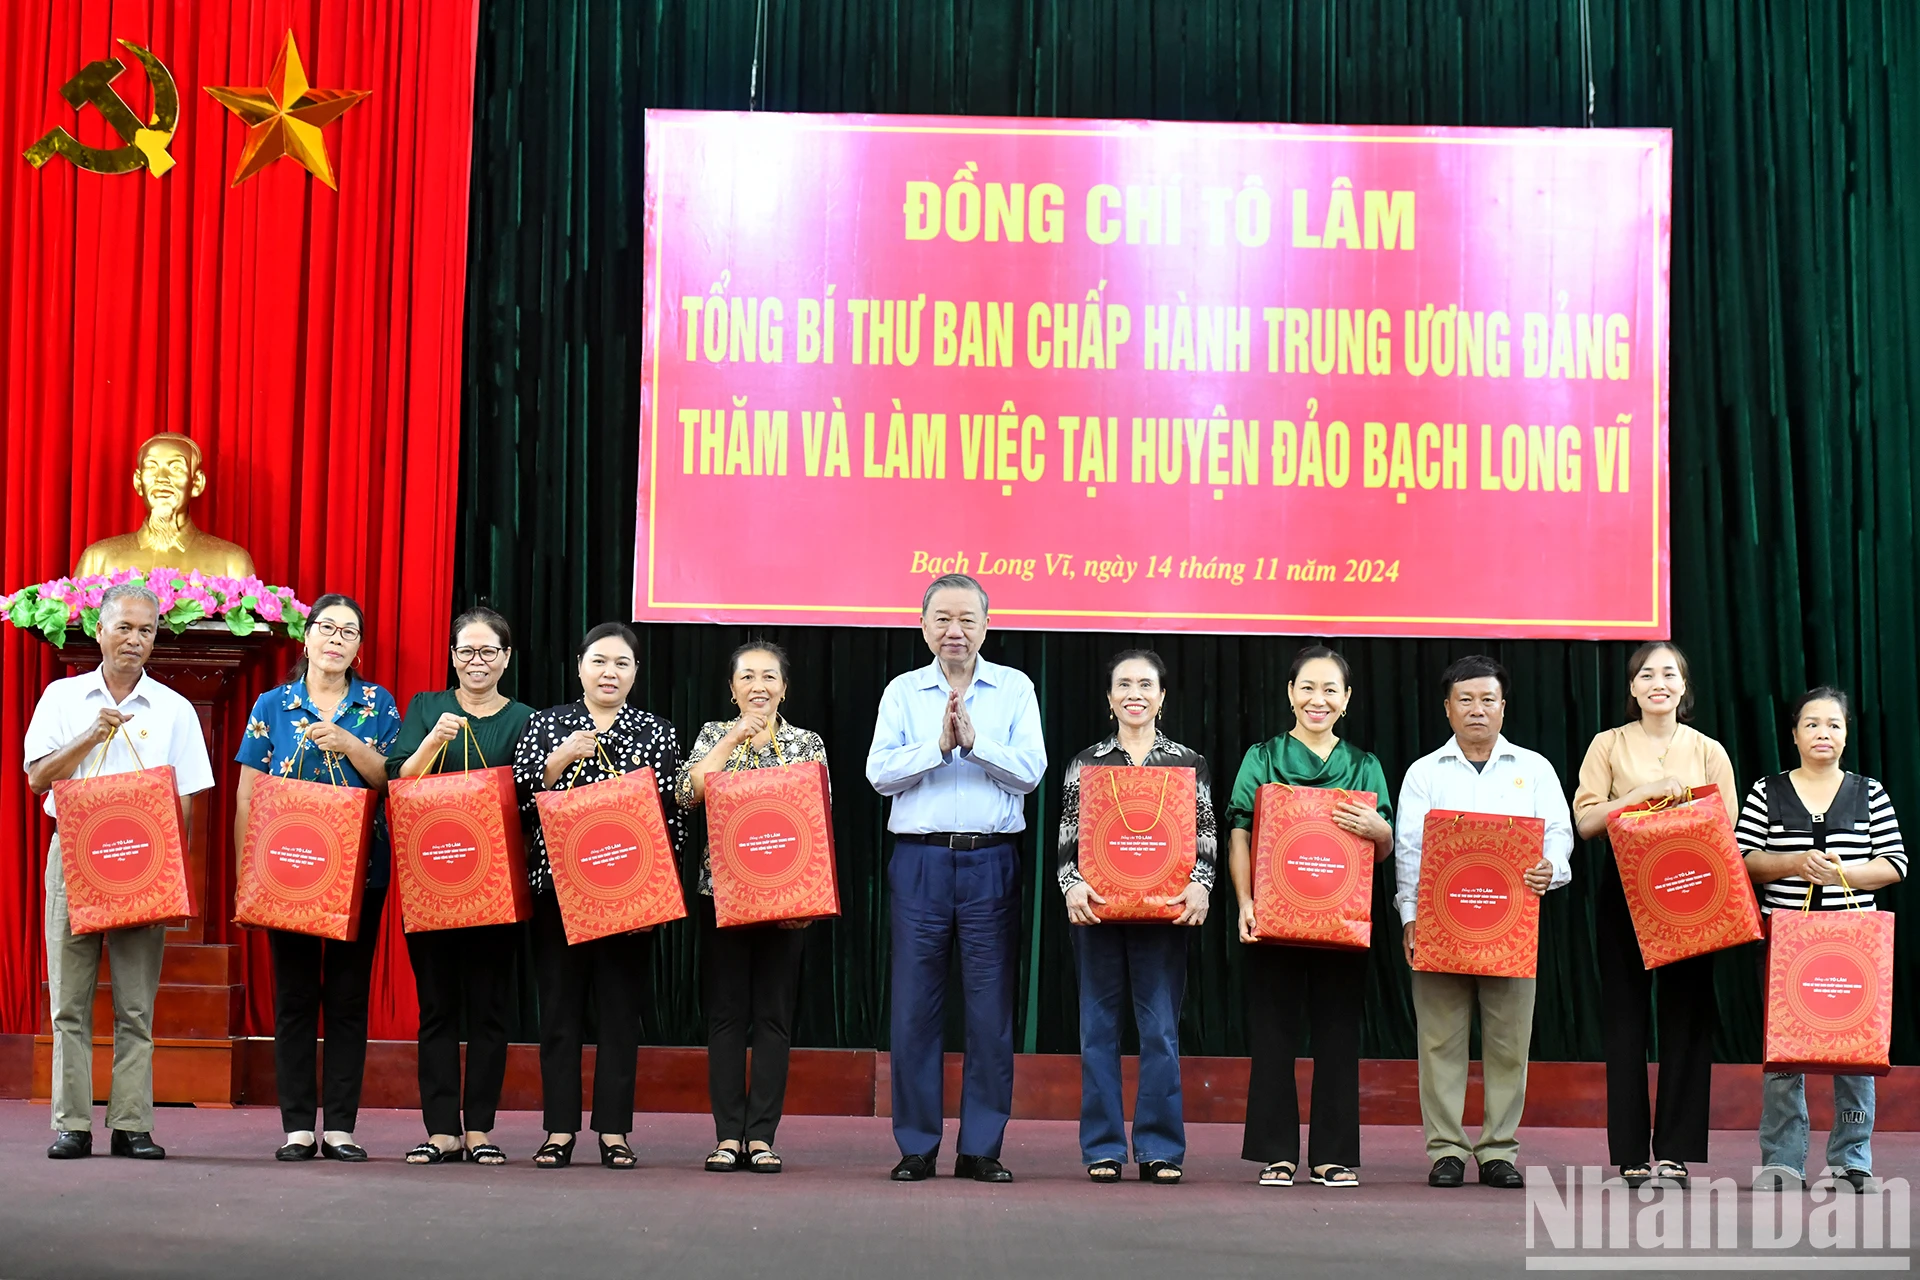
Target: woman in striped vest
(1820, 838)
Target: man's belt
(958, 839)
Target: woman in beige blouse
(752, 972)
(1653, 755)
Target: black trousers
(312, 976)
(1291, 991)
(1688, 1017)
(752, 984)
(453, 968)
(617, 972)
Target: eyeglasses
(328, 630)
(487, 654)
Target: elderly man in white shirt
(1478, 771)
(64, 739)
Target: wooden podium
(197, 1018)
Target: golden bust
(168, 476)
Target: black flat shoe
(981, 1169)
(294, 1151)
(1502, 1174)
(136, 1146)
(1447, 1171)
(554, 1155)
(350, 1152)
(912, 1169)
(72, 1144)
(765, 1160)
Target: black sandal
(486, 1153)
(1670, 1171)
(1278, 1174)
(1636, 1175)
(1162, 1173)
(430, 1152)
(765, 1160)
(724, 1160)
(1104, 1171)
(617, 1155)
(555, 1155)
(1336, 1175)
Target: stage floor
(220, 1205)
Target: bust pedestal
(197, 1017)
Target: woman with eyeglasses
(348, 726)
(474, 966)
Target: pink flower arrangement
(242, 603)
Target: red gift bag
(1474, 913)
(123, 848)
(1138, 838)
(610, 855)
(303, 867)
(459, 859)
(1686, 884)
(770, 832)
(1312, 878)
(1829, 992)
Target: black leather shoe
(351, 1152)
(72, 1144)
(136, 1146)
(912, 1169)
(981, 1169)
(1501, 1173)
(297, 1151)
(1447, 1171)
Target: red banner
(1158, 376)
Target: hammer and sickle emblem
(146, 145)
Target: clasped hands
(956, 730)
(1192, 901)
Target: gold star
(285, 116)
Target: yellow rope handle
(470, 739)
(118, 731)
(1853, 903)
(579, 764)
(740, 753)
(1658, 806)
(1159, 809)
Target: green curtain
(1796, 305)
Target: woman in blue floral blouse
(347, 726)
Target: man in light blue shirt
(1478, 771)
(958, 749)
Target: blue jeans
(1151, 959)
(942, 899)
(1783, 1122)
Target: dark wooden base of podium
(195, 1017)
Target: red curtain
(308, 340)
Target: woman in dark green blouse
(452, 965)
(1285, 982)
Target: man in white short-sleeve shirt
(1477, 771)
(64, 740)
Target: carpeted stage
(219, 1205)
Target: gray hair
(947, 580)
(124, 591)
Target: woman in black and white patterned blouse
(1820, 838)
(618, 968)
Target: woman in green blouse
(452, 965)
(752, 971)
(1285, 982)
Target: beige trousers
(1443, 1006)
(73, 971)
